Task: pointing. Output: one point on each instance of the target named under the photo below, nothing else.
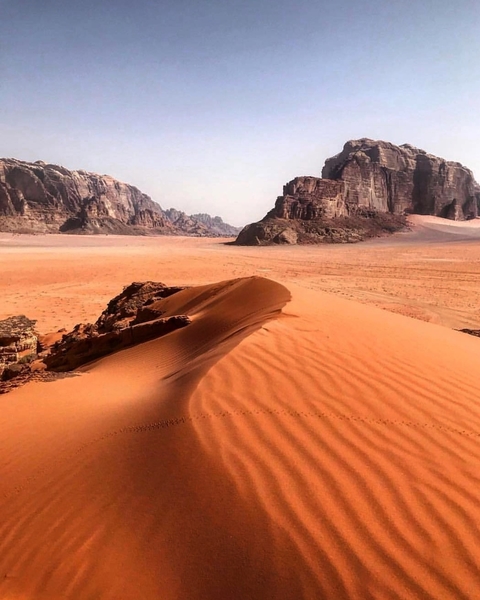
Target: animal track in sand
(167, 423)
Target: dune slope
(89, 482)
(356, 434)
(330, 453)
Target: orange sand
(430, 273)
(330, 451)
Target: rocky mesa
(366, 190)
(45, 198)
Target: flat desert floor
(313, 434)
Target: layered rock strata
(366, 190)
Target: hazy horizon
(212, 106)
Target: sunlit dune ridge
(329, 451)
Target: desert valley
(239, 300)
(290, 413)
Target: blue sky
(213, 105)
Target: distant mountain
(201, 224)
(44, 198)
(217, 225)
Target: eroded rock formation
(187, 224)
(49, 198)
(365, 190)
(41, 198)
(132, 317)
(403, 179)
(136, 315)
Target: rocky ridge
(364, 191)
(45, 198)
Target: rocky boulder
(131, 306)
(365, 191)
(12, 371)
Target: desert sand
(304, 437)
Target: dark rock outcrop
(367, 190)
(85, 344)
(12, 371)
(44, 198)
(338, 230)
(132, 317)
(287, 236)
(475, 332)
(132, 304)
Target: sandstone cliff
(40, 197)
(365, 190)
(49, 198)
(398, 179)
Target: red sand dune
(328, 451)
